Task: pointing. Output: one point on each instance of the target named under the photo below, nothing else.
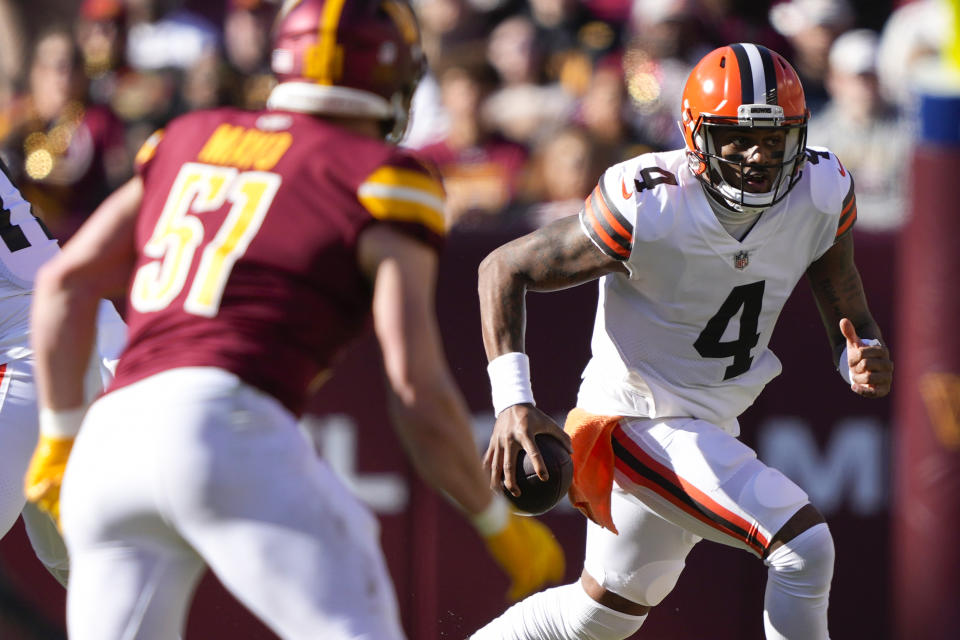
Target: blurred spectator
(446, 24)
(913, 36)
(865, 132)
(101, 38)
(204, 84)
(523, 106)
(564, 168)
(669, 30)
(142, 99)
(175, 39)
(610, 11)
(512, 49)
(810, 27)
(568, 38)
(605, 112)
(246, 44)
(11, 59)
(481, 170)
(667, 40)
(143, 11)
(730, 21)
(67, 154)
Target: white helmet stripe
(758, 76)
(769, 74)
(756, 71)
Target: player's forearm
(434, 426)
(62, 336)
(502, 293)
(838, 291)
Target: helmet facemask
(706, 161)
(395, 128)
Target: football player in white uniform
(696, 251)
(25, 244)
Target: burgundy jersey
(247, 239)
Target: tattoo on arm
(554, 257)
(839, 293)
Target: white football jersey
(25, 244)
(686, 333)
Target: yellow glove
(527, 552)
(45, 474)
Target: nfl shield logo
(741, 259)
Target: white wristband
(510, 380)
(843, 366)
(494, 518)
(61, 424)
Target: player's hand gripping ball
(537, 496)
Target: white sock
(798, 587)
(561, 613)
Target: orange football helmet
(347, 58)
(743, 86)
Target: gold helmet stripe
(324, 61)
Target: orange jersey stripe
(699, 505)
(849, 223)
(600, 232)
(848, 217)
(611, 219)
(848, 214)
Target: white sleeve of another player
(24, 243)
(111, 339)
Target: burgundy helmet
(347, 58)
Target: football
(536, 496)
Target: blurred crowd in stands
(524, 105)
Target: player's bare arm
(430, 414)
(846, 316)
(96, 263)
(554, 257)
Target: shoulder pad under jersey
(630, 199)
(831, 187)
(404, 190)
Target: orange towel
(591, 436)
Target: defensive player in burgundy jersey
(696, 251)
(25, 244)
(254, 245)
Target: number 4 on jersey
(748, 297)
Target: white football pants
(18, 438)
(193, 468)
(679, 481)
